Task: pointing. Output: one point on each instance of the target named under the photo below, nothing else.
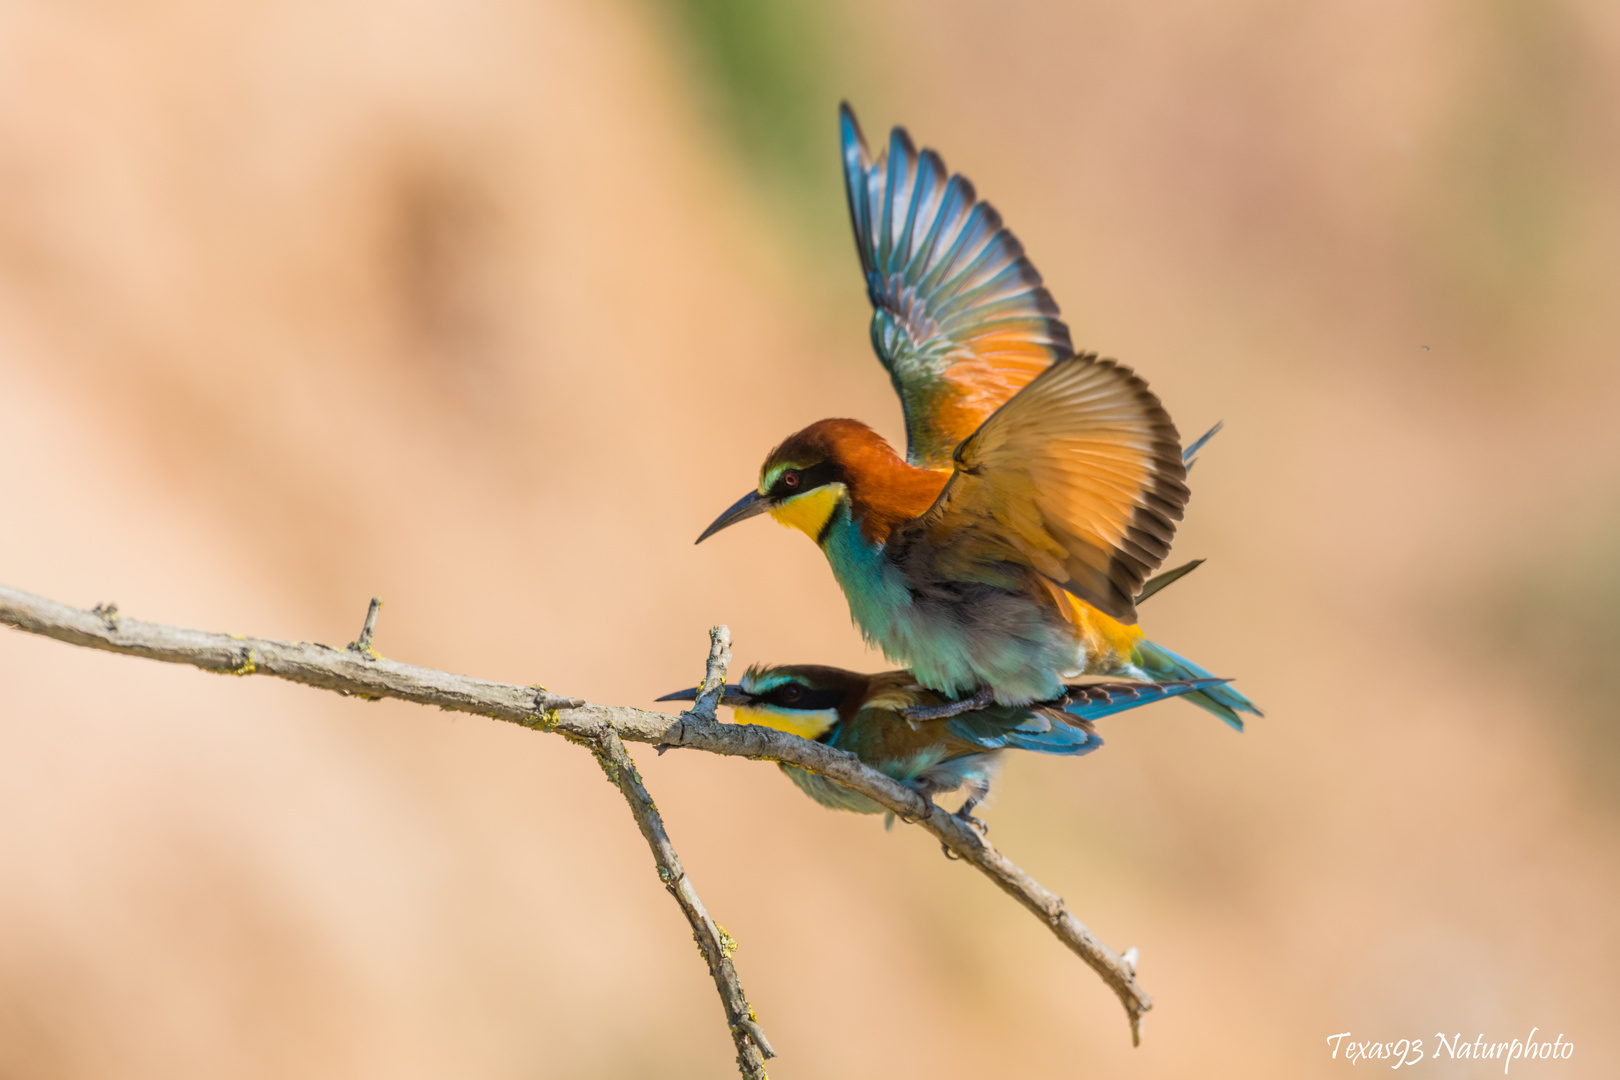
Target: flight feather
(1079, 476)
(960, 318)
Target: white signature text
(1409, 1052)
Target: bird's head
(801, 699)
(834, 463)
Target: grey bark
(360, 672)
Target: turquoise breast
(953, 648)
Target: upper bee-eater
(1006, 552)
(865, 715)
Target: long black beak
(744, 508)
(733, 694)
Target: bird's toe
(914, 713)
(979, 825)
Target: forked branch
(364, 674)
(715, 944)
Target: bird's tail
(1162, 665)
(1094, 700)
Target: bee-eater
(865, 715)
(1005, 553)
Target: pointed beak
(744, 508)
(733, 694)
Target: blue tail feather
(1190, 455)
(1095, 702)
(1223, 700)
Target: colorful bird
(1005, 554)
(865, 715)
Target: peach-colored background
(477, 307)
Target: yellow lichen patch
(548, 718)
(247, 667)
(728, 944)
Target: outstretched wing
(1079, 476)
(960, 320)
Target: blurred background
(488, 308)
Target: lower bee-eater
(866, 715)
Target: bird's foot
(984, 696)
(964, 814)
(979, 825)
(927, 794)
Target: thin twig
(362, 644)
(714, 673)
(535, 707)
(715, 944)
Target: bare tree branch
(715, 944)
(753, 1048)
(354, 673)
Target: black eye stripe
(806, 700)
(808, 479)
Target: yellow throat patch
(809, 512)
(800, 722)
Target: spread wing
(960, 320)
(1078, 476)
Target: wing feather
(960, 318)
(1078, 476)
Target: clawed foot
(927, 793)
(979, 700)
(964, 813)
(979, 825)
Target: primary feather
(960, 318)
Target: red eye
(790, 693)
(790, 479)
